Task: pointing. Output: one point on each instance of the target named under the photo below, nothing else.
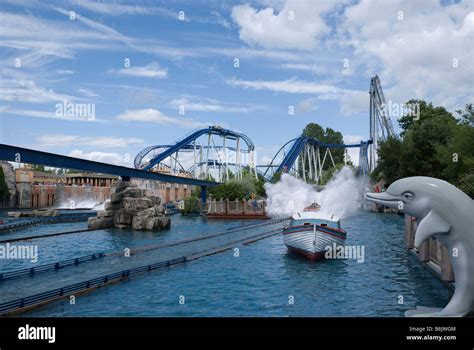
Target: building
(37, 189)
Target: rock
(133, 193)
(122, 185)
(139, 222)
(159, 209)
(10, 181)
(105, 213)
(148, 212)
(112, 206)
(134, 205)
(164, 221)
(116, 197)
(122, 218)
(131, 206)
(121, 226)
(99, 223)
(157, 223)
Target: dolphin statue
(447, 214)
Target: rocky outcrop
(130, 206)
(9, 178)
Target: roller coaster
(208, 153)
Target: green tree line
(434, 143)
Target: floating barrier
(53, 266)
(76, 261)
(11, 224)
(29, 238)
(41, 299)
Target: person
(254, 205)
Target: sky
(153, 71)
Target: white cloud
(155, 116)
(152, 70)
(59, 140)
(307, 105)
(278, 30)
(353, 102)
(311, 68)
(292, 85)
(24, 90)
(103, 157)
(88, 92)
(65, 71)
(353, 152)
(117, 9)
(211, 105)
(32, 113)
(415, 54)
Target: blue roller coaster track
(155, 155)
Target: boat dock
(236, 209)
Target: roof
(321, 215)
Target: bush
(466, 184)
(234, 189)
(192, 205)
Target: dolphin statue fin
(430, 225)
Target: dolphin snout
(383, 198)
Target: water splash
(89, 204)
(339, 197)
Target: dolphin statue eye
(408, 195)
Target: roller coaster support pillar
(203, 196)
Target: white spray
(89, 204)
(339, 196)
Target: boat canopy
(315, 215)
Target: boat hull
(312, 242)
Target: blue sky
(317, 56)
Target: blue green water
(261, 281)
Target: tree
(388, 167)
(192, 205)
(327, 135)
(436, 144)
(426, 111)
(234, 189)
(467, 115)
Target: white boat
(310, 233)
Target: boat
(313, 207)
(310, 232)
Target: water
(261, 281)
